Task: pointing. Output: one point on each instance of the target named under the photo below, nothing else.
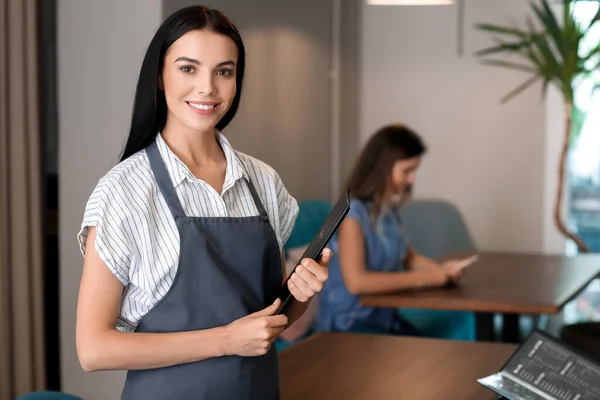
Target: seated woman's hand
(454, 269)
(309, 277)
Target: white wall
(487, 158)
(100, 49)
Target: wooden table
(506, 283)
(354, 366)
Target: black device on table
(545, 368)
(317, 245)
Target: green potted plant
(552, 53)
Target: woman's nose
(206, 83)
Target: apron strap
(256, 199)
(165, 184)
(253, 192)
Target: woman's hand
(455, 269)
(433, 277)
(448, 272)
(309, 277)
(254, 334)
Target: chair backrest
(311, 215)
(436, 228)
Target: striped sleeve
(288, 210)
(106, 210)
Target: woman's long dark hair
(371, 174)
(150, 106)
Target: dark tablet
(315, 248)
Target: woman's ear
(160, 84)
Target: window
(584, 171)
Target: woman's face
(199, 79)
(403, 174)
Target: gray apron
(228, 268)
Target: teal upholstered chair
(48, 396)
(434, 229)
(311, 215)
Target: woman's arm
(101, 347)
(418, 262)
(359, 280)
(415, 261)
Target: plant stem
(561, 179)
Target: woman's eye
(187, 69)
(225, 72)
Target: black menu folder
(544, 368)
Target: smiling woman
(182, 240)
(195, 45)
(199, 75)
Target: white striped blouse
(136, 235)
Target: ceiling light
(409, 2)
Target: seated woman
(371, 253)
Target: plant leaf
(552, 65)
(511, 65)
(550, 52)
(501, 30)
(520, 88)
(545, 85)
(513, 47)
(532, 50)
(548, 20)
(592, 53)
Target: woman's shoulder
(128, 172)
(359, 207)
(362, 212)
(129, 180)
(281, 205)
(358, 204)
(124, 191)
(257, 169)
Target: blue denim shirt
(385, 251)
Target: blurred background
(322, 76)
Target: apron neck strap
(253, 192)
(165, 184)
(256, 199)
